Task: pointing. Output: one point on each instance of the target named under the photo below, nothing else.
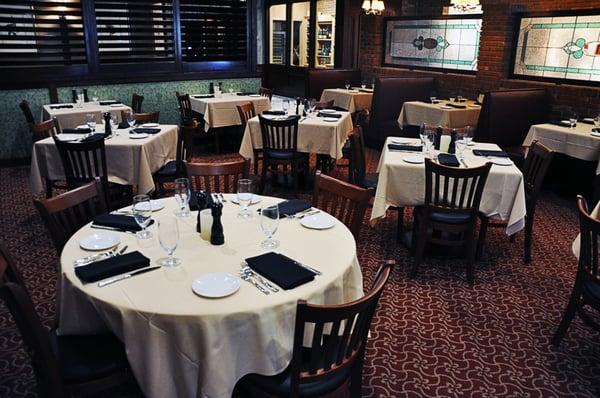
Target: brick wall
(494, 53)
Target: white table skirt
(183, 345)
(416, 112)
(69, 118)
(222, 111)
(351, 100)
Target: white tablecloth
(182, 345)
(351, 100)
(128, 161)
(221, 112)
(403, 184)
(417, 112)
(576, 142)
(70, 118)
(314, 136)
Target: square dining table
(353, 100)
(315, 135)
(129, 161)
(441, 114)
(402, 184)
(70, 118)
(221, 111)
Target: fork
(249, 279)
(96, 257)
(222, 197)
(247, 270)
(300, 214)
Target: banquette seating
(319, 79)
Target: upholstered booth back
(320, 79)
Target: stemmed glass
(363, 85)
(269, 221)
(244, 197)
(94, 96)
(461, 145)
(286, 107)
(311, 106)
(468, 135)
(347, 84)
(373, 83)
(142, 213)
(597, 121)
(168, 236)
(182, 196)
(114, 124)
(130, 119)
(91, 121)
(573, 120)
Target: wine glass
(460, 146)
(244, 196)
(363, 85)
(423, 133)
(114, 124)
(94, 96)
(269, 221)
(168, 236)
(182, 196)
(91, 121)
(429, 141)
(142, 213)
(286, 106)
(573, 120)
(597, 121)
(129, 119)
(433, 99)
(347, 84)
(468, 135)
(373, 83)
(312, 103)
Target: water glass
(573, 120)
(433, 100)
(468, 135)
(114, 124)
(129, 119)
(363, 84)
(142, 213)
(168, 237)
(347, 84)
(269, 222)
(182, 196)
(244, 197)
(373, 83)
(286, 106)
(597, 121)
(460, 145)
(91, 121)
(94, 97)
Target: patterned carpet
(432, 336)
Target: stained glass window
(433, 43)
(563, 47)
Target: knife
(111, 229)
(117, 278)
(317, 272)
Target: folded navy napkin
(335, 115)
(61, 106)
(112, 266)
(146, 130)
(486, 152)
(274, 112)
(123, 125)
(405, 147)
(245, 93)
(193, 202)
(204, 96)
(118, 221)
(93, 137)
(292, 206)
(596, 130)
(112, 102)
(448, 159)
(458, 106)
(588, 121)
(365, 90)
(77, 131)
(281, 270)
(562, 123)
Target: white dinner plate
(155, 204)
(254, 95)
(150, 125)
(445, 107)
(99, 241)
(588, 120)
(82, 126)
(328, 111)
(416, 159)
(502, 161)
(68, 137)
(138, 136)
(475, 106)
(595, 133)
(330, 119)
(318, 221)
(116, 105)
(255, 199)
(215, 285)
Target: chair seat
(450, 218)
(516, 154)
(280, 155)
(168, 170)
(87, 358)
(279, 385)
(592, 291)
(370, 181)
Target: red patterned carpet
(432, 337)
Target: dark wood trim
(53, 93)
(15, 162)
(91, 34)
(339, 46)
(312, 34)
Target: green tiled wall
(15, 139)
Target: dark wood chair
(176, 168)
(141, 118)
(586, 290)
(266, 92)
(346, 202)
(324, 105)
(185, 108)
(83, 162)
(63, 365)
(335, 354)
(537, 162)
(66, 213)
(280, 147)
(49, 128)
(136, 103)
(247, 112)
(452, 198)
(217, 177)
(24, 105)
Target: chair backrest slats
(279, 135)
(266, 92)
(185, 107)
(538, 160)
(83, 161)
(246, 112)
(46, 129)
(589, 229)
(217, 177)
(24, 105)
(136, 103)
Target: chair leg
(255, 162)
(527, 239)
(471, 255)
(481, 239)
(356, 380)
(263, 176)
(295, 177)
(567, 318)
(48, 188)
(400, 226)
(513, 238)
(419, 244)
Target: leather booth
(507, 115)
(389, 96)
(319, 79)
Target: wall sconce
(373, 7)
(463, 7)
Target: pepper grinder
(74, 96)
(216, 234)
(438, 137)
(85, 95)
(107, 129)
(452, 146)
(201, 200)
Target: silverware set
(111, 229)
(98, 256)
(249, 272)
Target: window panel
(278, 33)
(299, 55)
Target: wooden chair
(136, 103)
(346, 202)
(537, 162)
(452, 198)
(83, 162)
(335, 353)
(217, 177)
(66, 213)
(280, 147)
(63, 365)
(49, 128)
(24, 105)
(266, 92)
(185, 108)
(177, 168)
(247, 112)
(586, 290)
(141, 118)
(324, 105)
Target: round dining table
(180, 344)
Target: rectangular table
(417, 112)
(70, 118)
(403, 184)
(222, 112)
(314, 136)
(128, 161)
(575, 142)
(353, 100)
